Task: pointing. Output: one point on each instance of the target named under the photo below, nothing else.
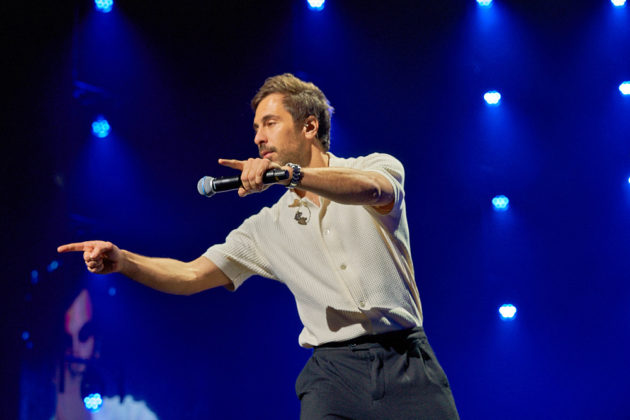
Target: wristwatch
(297, 175)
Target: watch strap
(297, 175)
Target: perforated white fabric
(348, 267)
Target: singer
(345, 256)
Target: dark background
(406, 78)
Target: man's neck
(319, 158)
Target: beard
(300, 156)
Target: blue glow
(26, 335)
(618, 3)
(101, 128)
(628, 180)
(34, 276)
(104, 6)
(624, 88)
(316, 4)
(492, 97)
(93, 402)
(501, 203)
(484, 3)
(507, 312)
(112, 291)
(52, 266)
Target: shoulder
(363, 162)
(380, 162)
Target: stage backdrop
(174, 79)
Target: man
(345, 257)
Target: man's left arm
(343, 185)
(348, 186)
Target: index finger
(232, 163)
(76, 246)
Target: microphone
(208, 185)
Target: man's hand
(252, 171)
(100, 257)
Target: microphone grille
(205, 187)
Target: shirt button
(343, 266)
(327, 231)
(362, 303)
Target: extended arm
(343, 185)
(163, 274)
(348, 186)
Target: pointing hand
(100, 257)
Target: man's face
(77, 326)
(277, 137)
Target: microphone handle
(233, 183)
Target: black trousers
(388, 376)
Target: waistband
(401, 338)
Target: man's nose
(260, 138)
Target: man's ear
(311, 126)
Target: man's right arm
(163, 274)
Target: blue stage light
(93, 402)
(112, 291)
(316, 4)
(492, 97)
(26, 335)
(484, 3)
(624, 88)
(104, 6)
(52, 266)
(618, 3)
(34, 276)
(507, 311)
(101, 128)
(501, 203)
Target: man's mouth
(265, 154)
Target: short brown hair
(301, 99)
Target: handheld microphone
(209, 186)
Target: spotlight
(101, 128)
(484, 3)
(316, 4)
(104, 6)
(34, 276)
(618, 3)
(501, 203)
(52, 266)
(492, 97)
(91, 389)
(624, 88)
(507, 312)
(93, 402)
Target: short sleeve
(393, 170)
(239, 257)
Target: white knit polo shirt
(348, 266)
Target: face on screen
(79, 331)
